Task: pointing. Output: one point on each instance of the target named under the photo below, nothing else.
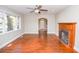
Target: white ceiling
(23, 8)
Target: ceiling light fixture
(37, 11)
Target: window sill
(9, 32)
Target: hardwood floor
(36, 44)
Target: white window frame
(5, 18)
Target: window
(1, 25)
(9, 22)
(2, 16)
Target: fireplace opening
(63, 35)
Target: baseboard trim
(11, 40)
(77, 49)
(38, 33)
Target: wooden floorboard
(34, 44)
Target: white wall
(70, 14)
(10, 36)
(31, 22)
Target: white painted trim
(9, 32)
(11, 40)
(37, 33)
(30, 33)
(77, 49)
(51, 33)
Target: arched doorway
(42, 27)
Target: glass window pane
(9, 23)
(18, 22)
(1, 25)
(12, 23)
